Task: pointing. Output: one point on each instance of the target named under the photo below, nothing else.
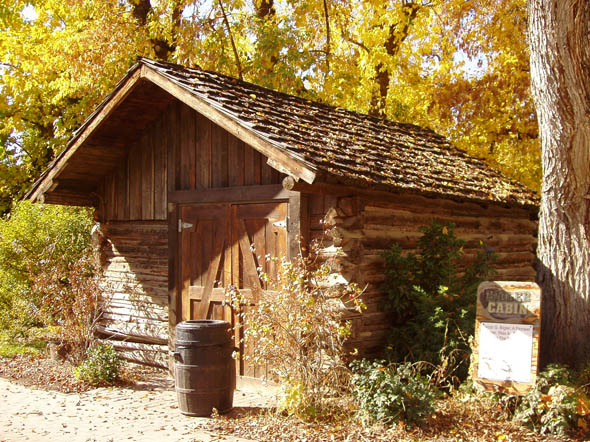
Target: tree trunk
(559, 32)
(162, 48)
(398, 33)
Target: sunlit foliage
(459, 67)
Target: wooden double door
(223, 245)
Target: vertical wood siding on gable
(182, 150)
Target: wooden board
(176, 157)
(507, 332)
(135, 257)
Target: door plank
(227, 263)
(257, 227)
(212, 271)
(250, 273)
(216, 295)
(186, 267)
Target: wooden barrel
(204, 370)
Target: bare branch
(231, 39)
(327, 17)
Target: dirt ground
(146, 411)
(41, 400)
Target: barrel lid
(198, 333)
(203, 323)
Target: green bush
(391, 393)
(555, 405)
(100, 367)
(36, 240)
(431, 300)
(49, 274)
(28, 342)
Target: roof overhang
(101, 144)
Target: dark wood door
(258, 231)
(223, 244)
(204, 240)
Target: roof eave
(278, 157)
(103, 111)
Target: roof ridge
(376, 119)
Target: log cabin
(187, 169)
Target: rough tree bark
(559, 32)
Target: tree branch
(231, 39)
(140, 11)
(327, 17)
(357, 43)
(392, 46)
(265, 8)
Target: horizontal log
(135, 266)
(378, 244)
(398, 197)
(135, 276)
(155, 330)
(131, 250)
(443, 206)
(156, 261)
(118, 335)
(154, 290)
(146, 224)
(133, 234)
(148, 274)
(138, 346)
(145, 356)
(231, 194)
(463, 224)
(160, 301)
(134, 314)
(132, 317)
(137, 305)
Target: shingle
(348, 144)
(366, 150)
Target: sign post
(507, 331)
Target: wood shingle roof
(358, 148)
(312, 139)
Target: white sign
(505, 351)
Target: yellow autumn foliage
(459, 67)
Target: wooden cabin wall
(201, 154)
(182, 150)
(361, 229)
(135, 265)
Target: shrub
(49, 274)
(391, 393)
(432, 302)
(100, 367)
(74, 299)
(37, 239)
(296, 329)
(555, 405)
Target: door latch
(182, 225)
(282, 224)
